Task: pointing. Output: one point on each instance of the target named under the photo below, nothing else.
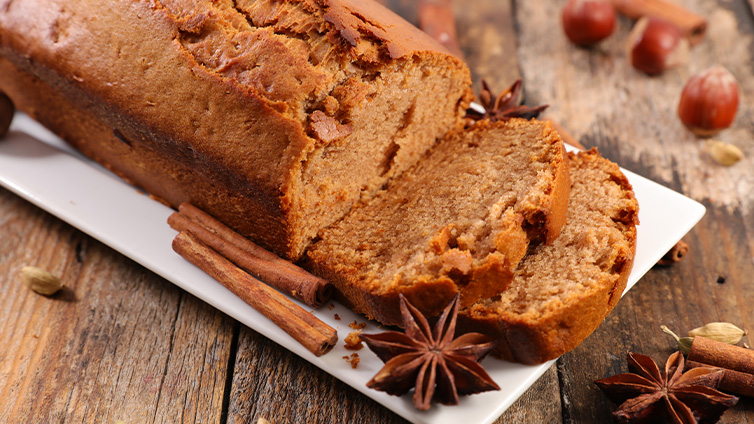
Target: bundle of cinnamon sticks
(239, 265)
(736, 362)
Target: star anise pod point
(504, 106)
(430, 360)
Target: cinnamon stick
(304, 327)
(437, 20)
(261, 263)
(722, 355)
(736, 382)
(692, 25)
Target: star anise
(506, 105)
(439, 367)
(684, 398)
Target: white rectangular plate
(39, 167)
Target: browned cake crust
(563, 291)
(274, 116)
(460, 221)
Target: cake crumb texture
(460, 220)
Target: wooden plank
(194, 384)
(272, 383)
(117, 343)
(540, 404)
(487, 34)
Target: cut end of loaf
(562, 291)
(459, 221)
(390, 131)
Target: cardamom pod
(721, 331)
(724, 153)
(684, 343)
(40, 280)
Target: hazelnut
(6, 114)
(709, 101)
(656, 45)
(588, 22)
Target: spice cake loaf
(460, 220)
(279, 117)
(276, 117)
(561, 292)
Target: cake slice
(458, 221)
(562, 291)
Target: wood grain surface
(120, 344)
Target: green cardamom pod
(721, 331)
(684, 343)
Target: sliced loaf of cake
(562, 291)
(458, 221)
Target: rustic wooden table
(120, 343)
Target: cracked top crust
(302, 56)
(299, 56)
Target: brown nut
(587, 22)
(6, 114)
(656, 45)
(709, 101)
